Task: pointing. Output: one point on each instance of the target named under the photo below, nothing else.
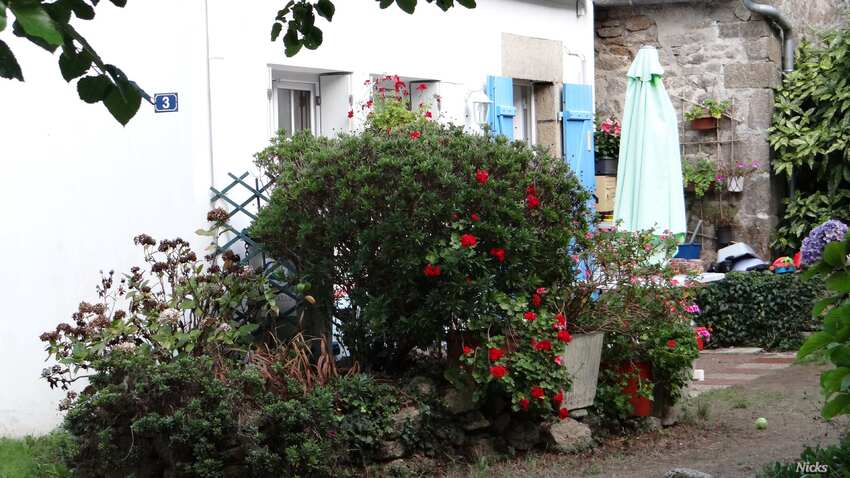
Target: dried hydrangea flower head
(813, 245)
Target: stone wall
(713, 50)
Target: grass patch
(34, 457)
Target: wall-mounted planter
(581, 357)
(704, 124)
(735, 184)
(606, 166)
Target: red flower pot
(704, 124)
(642, 405)
(700, 344)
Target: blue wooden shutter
(577, 113)
(500, 89)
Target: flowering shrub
(179, 307)
(608, 139)
(389, 107)
(424, 234)
(816, 241)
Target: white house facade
(77, 186)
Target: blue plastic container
(689, 251)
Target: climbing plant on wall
(811, 136)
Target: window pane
(522, 120)
(302, 110)
(284, 110)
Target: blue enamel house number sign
(165, 102)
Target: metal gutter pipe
(773, 14)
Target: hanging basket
(735, 184)
(704, 124)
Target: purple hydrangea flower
(813, 245)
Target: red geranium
(563, 413)
(564, 336)
(468, 240)
(496, 354)
(558, 398)
(558, 359)
(415, 134)
(523, 403)
(561, 319)
(538, 393)
(536, 300)
(351, 113)
(531, 190)
(498, 371)
(543, 345)
(474, 217)
(671, 344)
(432, 271)
(468, 350)
(482, 176)
(422, 87)
(498, 253)
(532, 202)
(530, 316)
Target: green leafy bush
(758, 309)
(422, 227)
(810, 134)
(834, 337)
(835, 458)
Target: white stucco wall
(77, 186)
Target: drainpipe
(775, 16)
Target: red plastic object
(642, 405)
(700, 344)
(798, 258)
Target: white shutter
(335, 94)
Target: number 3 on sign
(165, 102)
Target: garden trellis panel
(244, 196)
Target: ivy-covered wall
(713, 50)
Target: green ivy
(759, 309)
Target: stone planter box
(581, 357)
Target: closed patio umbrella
(649, 193)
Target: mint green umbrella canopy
(649, 175)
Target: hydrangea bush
(816, 241)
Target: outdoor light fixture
(479, 106)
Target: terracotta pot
(642, 405)
(704, 124)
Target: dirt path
(717, 434)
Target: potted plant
(723, 218)
(607, 140)
(733, 176)
(704, 116)
(698, 174)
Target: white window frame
(532, 119)
(283, 84)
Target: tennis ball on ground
(761, 423)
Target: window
(524, 118)
(296, 106)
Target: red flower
(415, 134)
(369, 104)
(422, 87)
(428, 115)
(468, 240)
(531, 190)
(498, 253)
(558, 398)
(561, 319)
(351, 113)
(524, 404)
(671, 344)
(543, 345)
(575, 258)
(432, 271)
(565, 336)
(558, 359)
(532, 202)
(563, 413)
(498, 371)
(541, 290)
(496, 354)
(482, 176)
(530, 316)
(474, 217)
(538, 393)
(536, 300)
(468, 350)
